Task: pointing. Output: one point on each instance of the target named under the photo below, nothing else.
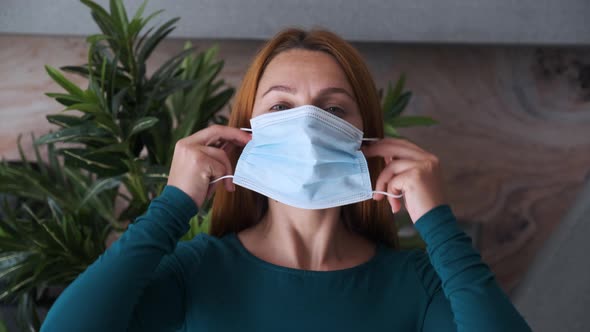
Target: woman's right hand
(200, 158)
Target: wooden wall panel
(513, 136)
(514, 139)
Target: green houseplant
(111, 152)
(113, 147)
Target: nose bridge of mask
(374, 191)
(338, 130)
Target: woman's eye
(279, 107)
(335, 110)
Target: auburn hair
(238, 210)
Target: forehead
(300, 66)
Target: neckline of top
(262, 263)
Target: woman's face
(302, 77)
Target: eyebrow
(325, 91)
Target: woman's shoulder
(203, 249)
(403, 258)
(414, 263)
(204, 243)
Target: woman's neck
(306, 239)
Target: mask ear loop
(221, 178)
(388, 194)
(378, 191)
(228, 176)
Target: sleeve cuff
(433, 219)
(185, 206)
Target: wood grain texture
(513, 136)
(513, 140)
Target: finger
(399, 183)
(229, 148)
(210, 168)
(217, 133)
(395, 203)
(395, 167)
(220, 156)
(393, 149)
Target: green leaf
(86, 108)
(198, 224)
(120, 15)
(116, 101)
(79, 70)
(95, 94)
(21, 153)
(153, 41)
(399, 87)
(210, 54)
(120, 148)
(151, 16)
(139, 43)
(101, 164)
(140, 11)
(65, 99)
(64, 120)
(40, 163)
(399, 106)
(216, 103)
(390, 131)
(11, 258)
(86, 132)
(171, 87)
(55, 165)
(389, 99)
(27, 313)
(99, 187)
(101, 17)
(411, 121)
(3, 327)
(56, 211)
(167, 68)
(92, 39)
(64, 83)
(143, 124)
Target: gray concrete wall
(552, 22)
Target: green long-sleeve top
(148, 281)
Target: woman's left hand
(409, 170)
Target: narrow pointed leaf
(96, 38)
(99, 187)
(143, 124)
(399, 106)
(140, 11)
(389, 99)
(64, 83)
(82, 132)
(153, 41)
(390, 131)
(63, 96)
(399, 87)
(120, 15)
(85, 107)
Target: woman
(299, 240)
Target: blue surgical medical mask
(307, 158)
